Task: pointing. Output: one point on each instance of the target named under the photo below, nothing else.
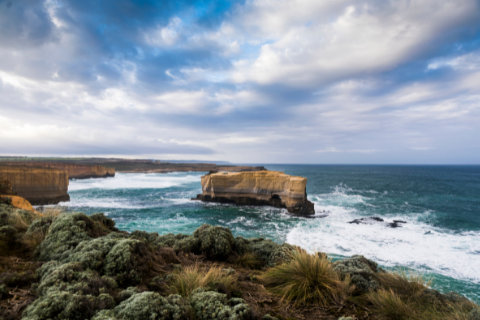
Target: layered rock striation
(75, 171)
(264, 188)
(38, 185)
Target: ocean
(440, 205)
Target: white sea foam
(416, 244)
(107, 203)
(136, 181)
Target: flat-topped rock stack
(264, 188)
(38, 185)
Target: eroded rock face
(37, 185)
(75, 171)
(264, 188)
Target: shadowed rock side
(6, 187)
(75, 171)
(38, 185)
(262, 188)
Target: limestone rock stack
(37, 185)
(271, 188)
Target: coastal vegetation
(59, 265)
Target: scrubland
(59, 265)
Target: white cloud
(364, 38)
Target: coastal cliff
(270, 188)
(38, 185)
(75, 171)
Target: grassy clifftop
(73, 266)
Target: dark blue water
(440, 204)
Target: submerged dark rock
(373, 220)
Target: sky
(255, 81)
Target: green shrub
(148, 306)
(59, 304)
(362, 272)
(268, 252)
(92, 253)
(104, 221)
(215, 242)
(66, 232)
(210, 305)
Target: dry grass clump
(193, 277)
(403, 282)
(19, 221)
(52, 211)
(248, 260)
(404, 296)
(307, 278)
(33, 239)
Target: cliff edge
(265, 188)
(75, 171)
(38, 185)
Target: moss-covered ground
(71, 266)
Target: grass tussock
(193, 277)
(18, 221)
(403, 296)
(52, 211)
(403, 282)
(307, 278)
(33, 239)
(248, 260)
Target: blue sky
(264, 81)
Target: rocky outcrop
(17, 202)
(264, 188)
(37, 185)
(75, 171)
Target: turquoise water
(441, 205)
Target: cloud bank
(256, 81)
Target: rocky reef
(38, 185)
(74, 266)
(261, 188)
(75, 171)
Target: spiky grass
(52, 211)
(193, 277)
(404, 282)
(248, 260)
(403, 297)
(306, 278)
(18, 221)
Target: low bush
(306, 278)
(213, 305)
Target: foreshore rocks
(260, 188)
(39, 186)
(75, 171)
